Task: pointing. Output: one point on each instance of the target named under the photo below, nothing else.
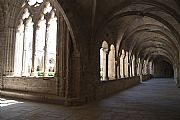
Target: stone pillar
(178, 75)
(72, 84)
(118, 68)
(178, 72)
(145, 67)
(106, 65)
(46, 62)
(3, 33)
(130, 67)
(175, 71)
(133, 66)
(140, 72)
(138, 66)
(150, 68)
(1, 76)
(110, 64)
(139, 69)
(63, 85)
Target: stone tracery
(35, 61)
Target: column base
(141, 79)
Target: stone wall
(40, 89)
(38, 85)
(146, 77)
(107, 88)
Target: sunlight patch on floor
(5, 102)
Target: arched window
(122, 64)
(23, 48)
(51, 45)
(19, 49)
(126, 65)
(35, 50)
(111, 63)
(40, 47)
(104, 61)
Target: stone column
(1, 76)
(130, 67)
(138, 66)
(118, 68)
(178, 72)
(3, 32)
(178, 75)
(140, 71)
(46, 62)
(150, 68)
(133, 66)
(106, 65)
(145, 67)
(110, 64)
(70, 83)
(60, 62)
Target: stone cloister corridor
(155, 99)
(90, 59)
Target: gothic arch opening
(35, 50)
(126, 64)
(111, 63)
(122, 57)
(41, 50)
(104, 61)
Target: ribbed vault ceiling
(148, 29)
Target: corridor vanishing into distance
(155, 99)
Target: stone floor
(156, 99)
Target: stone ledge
(54, 99)
(108, 88)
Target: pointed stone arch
(104, 61)
(111, 63)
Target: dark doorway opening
(163, 69)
